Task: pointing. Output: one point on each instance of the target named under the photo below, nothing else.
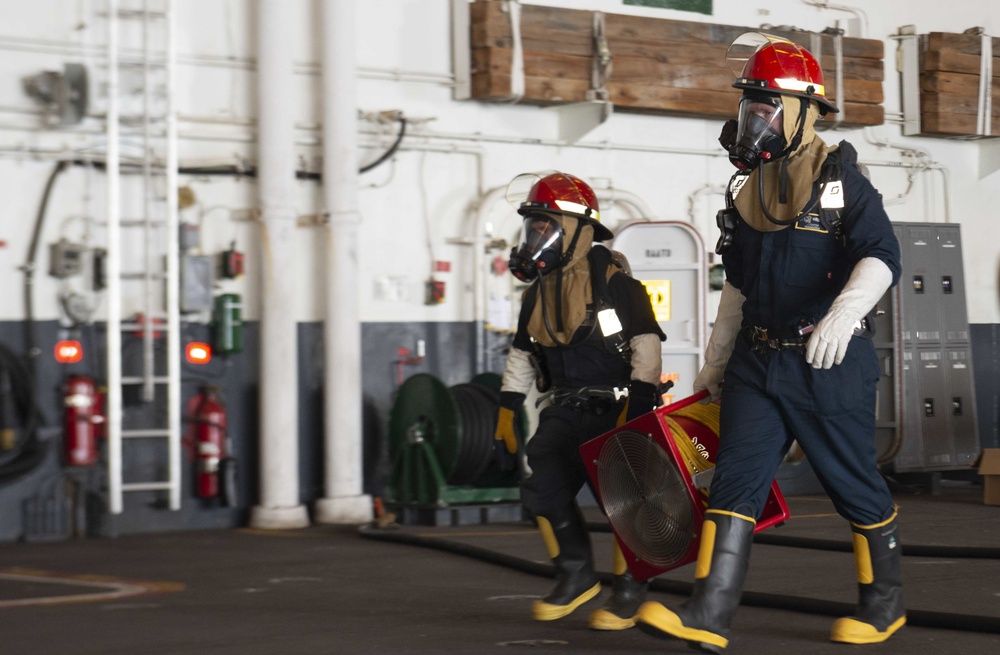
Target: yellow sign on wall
(659, 297)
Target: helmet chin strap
(793, 145)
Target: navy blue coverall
(772, 397)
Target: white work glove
(720, 344)
(828, 343)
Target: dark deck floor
(331, 590)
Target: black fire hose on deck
(918, 618)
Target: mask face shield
(540, 250)
(760, 132)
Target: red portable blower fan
(652, 474)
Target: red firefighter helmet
(560, 193)
(768, 63)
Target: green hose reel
(441, 444)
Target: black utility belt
(593, 400)
(762, 338)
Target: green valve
(228, 320)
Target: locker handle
(956, 406)
(928, 407)
(887, 366)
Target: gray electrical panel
(926, 411)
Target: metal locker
(960, 394)
(950, 283)
(932, 409)
(919, 298)
(910, 438)
(934, 383)
(886, 406)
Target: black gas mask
(540, 250)
(759, 133)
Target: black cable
(917, 618)
(773, 539)
(392, 149)
(29, 265)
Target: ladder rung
(146, 433)
(142, 276)
(139, 327)
(141, 222)
(140, 13)
(146, 486)
(138, 379)
(142, 63)
(140, 119)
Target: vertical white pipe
(344, 501)
(114, 265)
(173, 268)
(279, 428)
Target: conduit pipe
(279, 506)
(344, 501)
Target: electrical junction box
(989, 468)
(66, 259)
(197, 279)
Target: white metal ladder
(153, 232)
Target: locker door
(950, 285)
(962, 405)
(933, 408)
(911, 448)
(919, 286)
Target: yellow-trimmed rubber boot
(878, 558)
(627, 595)
(568, 545)
(723, 559)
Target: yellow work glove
(505, 442)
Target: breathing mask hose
(541, 294)
(777, 221)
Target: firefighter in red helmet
(591, 327)
(808, 251)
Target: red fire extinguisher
(82, 420)
(208, 419)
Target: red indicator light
(68, 351)
(198, 352)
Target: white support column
(279, 428)
(344, 501)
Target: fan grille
(645, 498)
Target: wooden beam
(948, 103)
(953, 124)
(955, 62)
(969, 44)
(658, 65)
(955, 83)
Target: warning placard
(659, 297)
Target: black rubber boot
(620, 609)
(878, 557)
(723, 558)
(568, 543)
